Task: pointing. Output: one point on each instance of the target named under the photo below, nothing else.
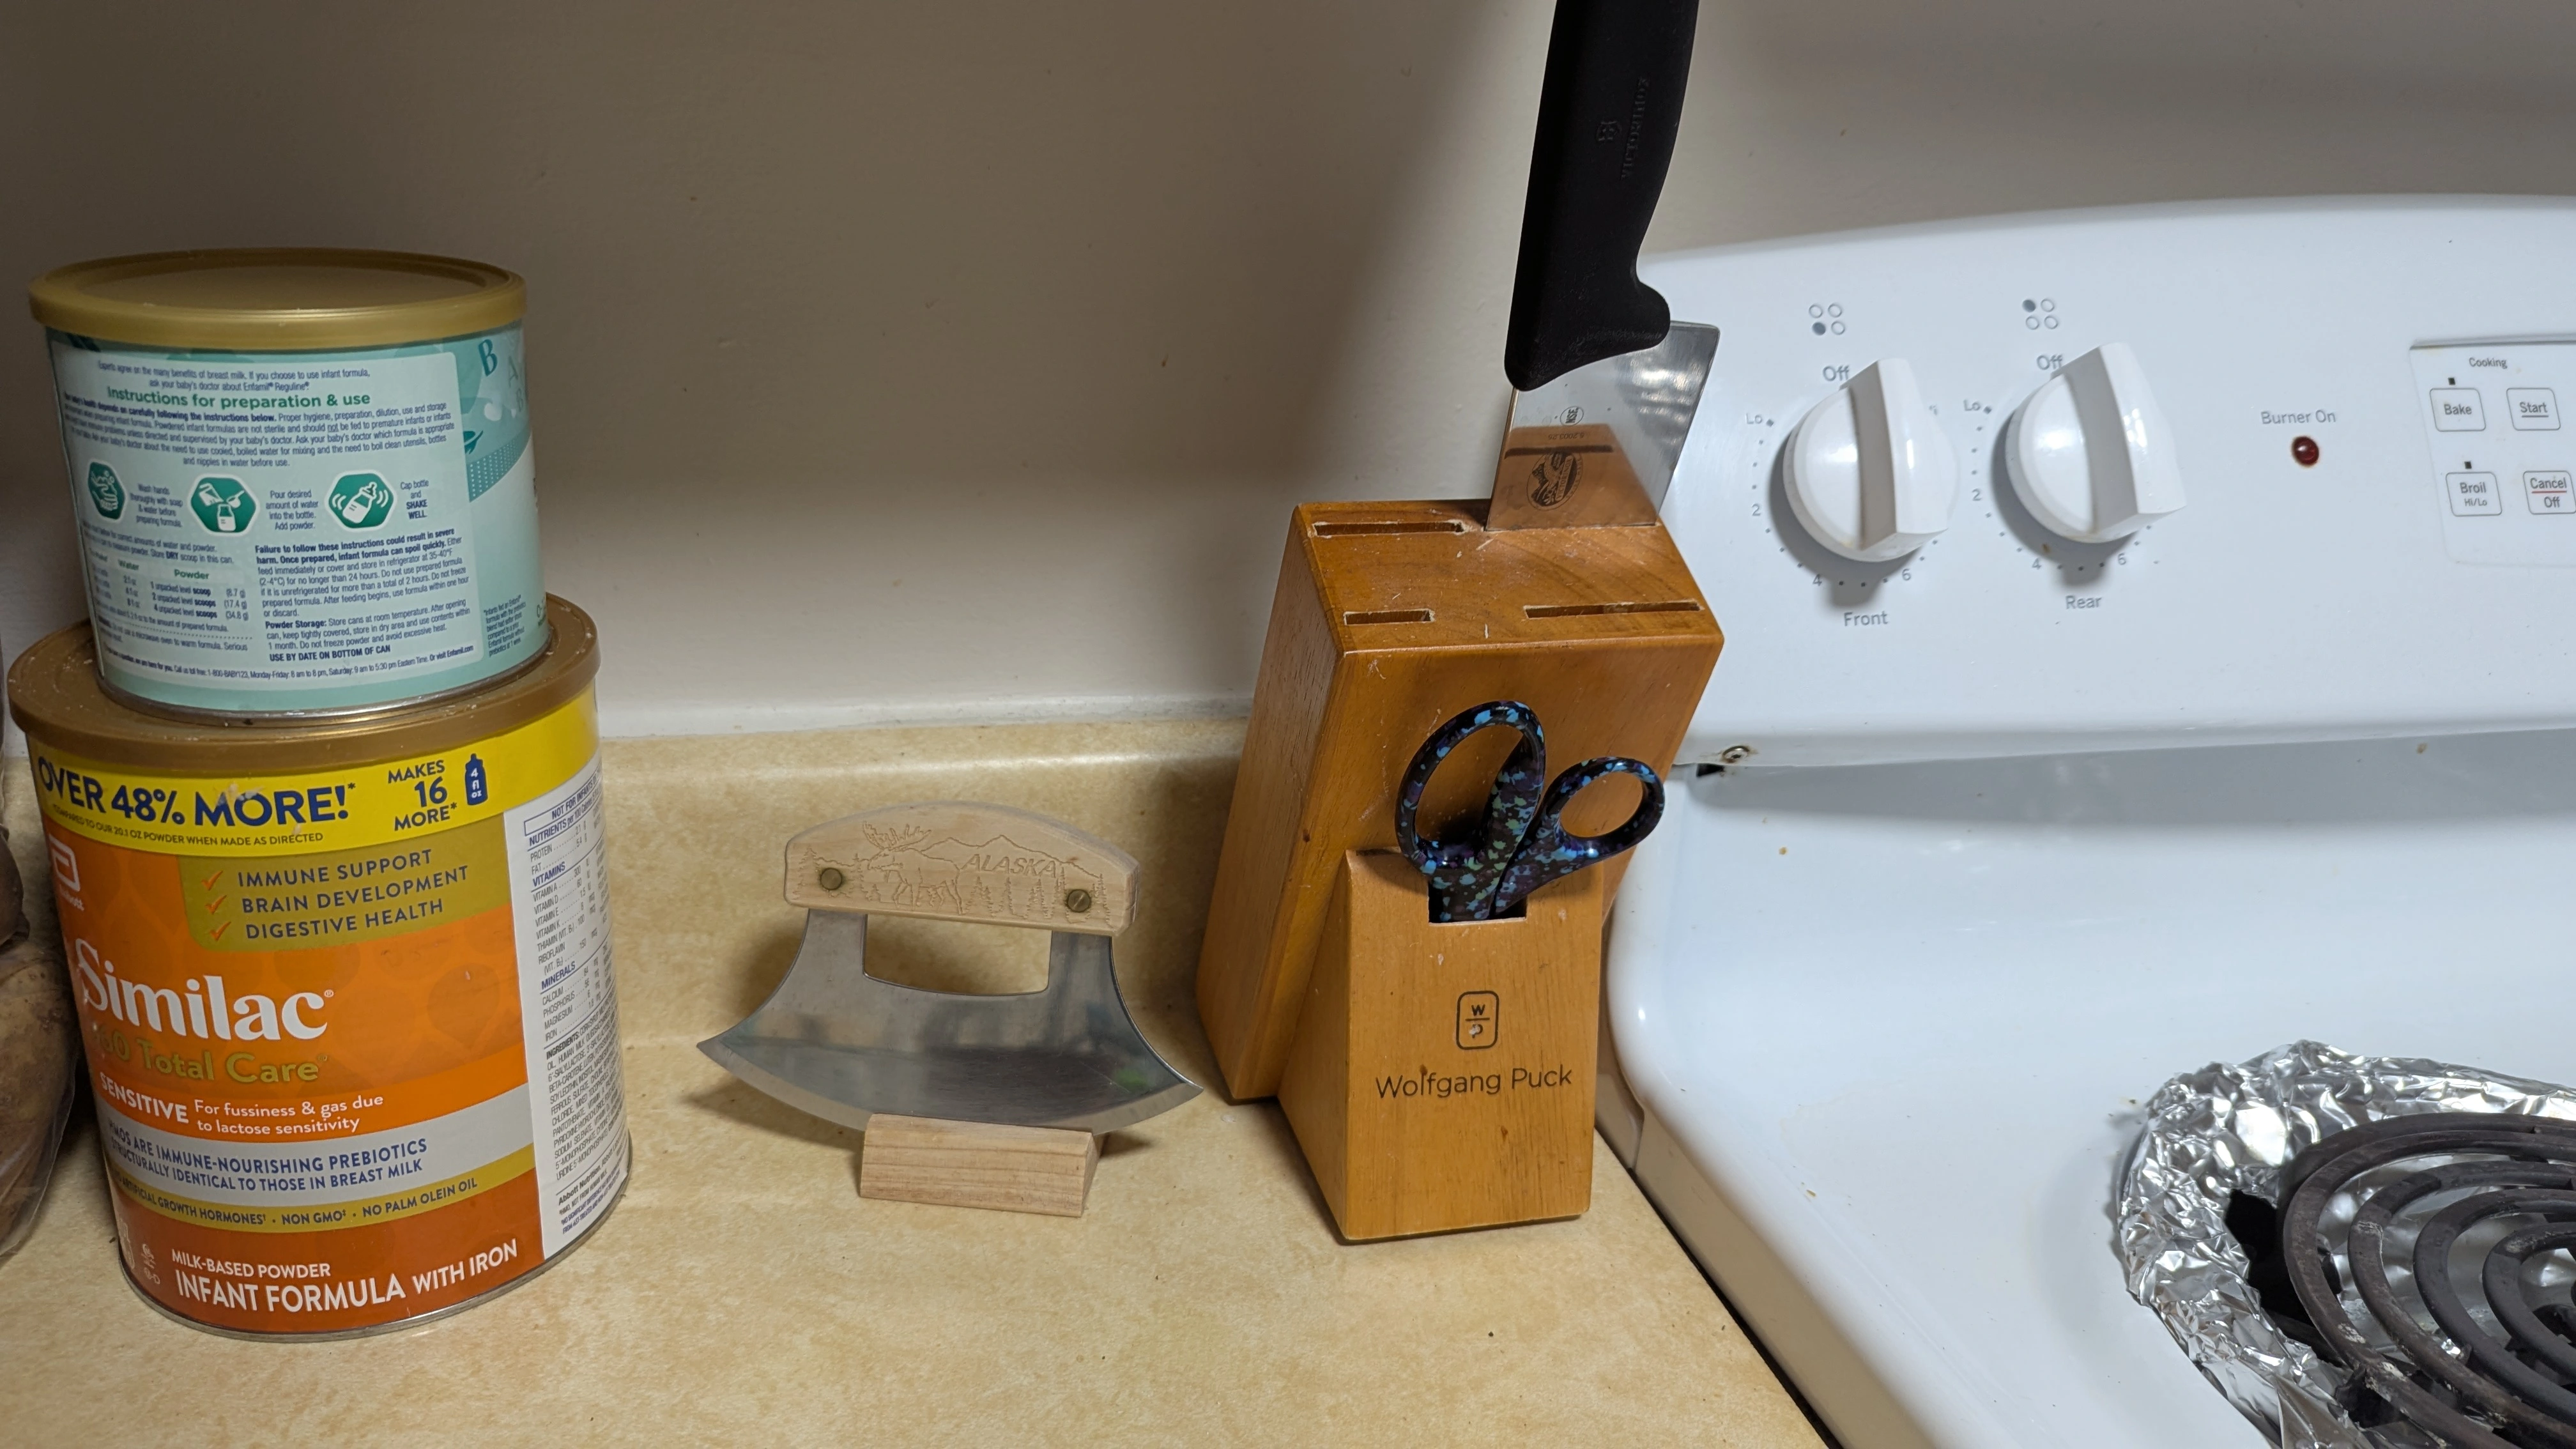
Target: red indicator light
(2305, 450)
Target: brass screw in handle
(1077, 901)
(830, 878)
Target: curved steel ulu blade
(843, 1045)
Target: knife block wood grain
(1390, 618)
(1442, 1075)
(978, 1165)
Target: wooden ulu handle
(952, 860)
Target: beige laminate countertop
(743, 1291)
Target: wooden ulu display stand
(978, 1164)
(1389, 619)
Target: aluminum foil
(2227, 1129)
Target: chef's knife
(1605, 382)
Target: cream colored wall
(910, 362)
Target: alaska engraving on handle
(953, 860)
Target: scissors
(1520, 845)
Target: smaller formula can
(302, 478)
(344, 989)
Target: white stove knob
(2091, 455)
(1869, 473)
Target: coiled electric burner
(2458, 1219)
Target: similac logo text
(205, 1011)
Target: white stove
(2001, 828)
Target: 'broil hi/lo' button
(2548, 492)
(2473, 493)
(2457, 410)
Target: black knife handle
(1607, 115)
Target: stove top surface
(1902, 1019)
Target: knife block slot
(1389, 619)
(1442, 1075)
(1348, 528)
(1579, 611)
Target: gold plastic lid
(277, 299)
(55, 696)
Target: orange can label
(353, 1034)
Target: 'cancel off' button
(2473, 493)
(2549, 492)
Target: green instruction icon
(106, 494)
(361, 500)
(222, 505)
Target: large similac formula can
(302, 478)
(344, 989)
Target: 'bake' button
(2473, 493)
(2457, 410)
(2548, 492)
(2534, 409)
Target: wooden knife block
(1389, 619)
(1442, 1076)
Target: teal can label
(303, 532)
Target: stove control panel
(1936, 488)
(2501, 449)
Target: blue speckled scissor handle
(1548, 852)
(1465, 873)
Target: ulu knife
(1605, 382)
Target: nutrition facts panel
(568, 1003)
(2504, 462)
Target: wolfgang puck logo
(1427, 1083)
(1479, 1020)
